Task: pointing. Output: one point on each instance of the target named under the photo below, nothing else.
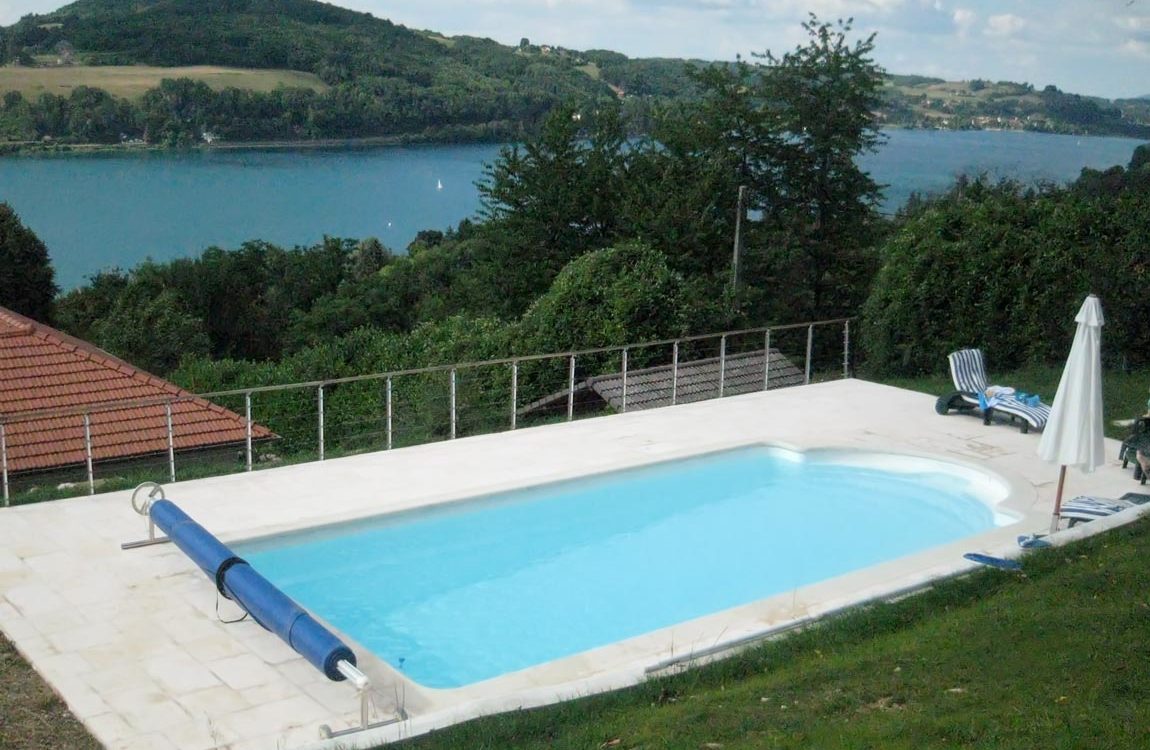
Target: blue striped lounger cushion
(1083, 508)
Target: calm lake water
(107, 210)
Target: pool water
(462, 593)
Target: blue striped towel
(1085, 508)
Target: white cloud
(1136, 24)
(1006, 24)
(1136, 47)
(826, 8)
(964, 19)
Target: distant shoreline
(34, 148)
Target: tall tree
(556, 197)
(686, 185)
(787, 129)
(822, 97)
(27, 280)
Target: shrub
(1006, 268)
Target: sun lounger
(975, 393)
(1139, 437)
(1083, 508)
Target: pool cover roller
(239, 582)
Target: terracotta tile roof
(44, 369)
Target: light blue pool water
(455, 595)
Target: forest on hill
(386, 81)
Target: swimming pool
(462, 593)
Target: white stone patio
(133, 643)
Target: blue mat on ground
(995, 562)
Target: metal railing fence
(319, 419)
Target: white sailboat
(439, 184)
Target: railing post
(514, 391)
(171, 442)
(722, 363)
(453, 417)
(388, 400)
(248, 431)
(88, 453)
(571, 389)
(674, 373)
(810, 342)
(846, 348)
(4, 461)
(624, 380)
(767, 360)
(321, 441)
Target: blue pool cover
(238, 581)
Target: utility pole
(738, 238)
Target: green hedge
(1006, 269)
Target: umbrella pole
(1058, 500)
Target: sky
(1096, 47)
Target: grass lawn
(31, 716)
(131, 81)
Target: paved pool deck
(133, 640)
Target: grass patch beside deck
(32, 717)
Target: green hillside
(335, 43)
(918, 101)
(380, 79)
(385, 79)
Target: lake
(116, 209)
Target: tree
(684, 186)
(607, 297)
(788, 129)
(1008, 267)
(27, 279)
(823, 96)
(80, 309)
(556, 197)
(367, 258)
(152, 331)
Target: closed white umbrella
(1073, 433)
